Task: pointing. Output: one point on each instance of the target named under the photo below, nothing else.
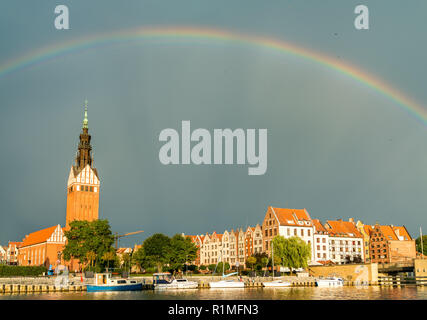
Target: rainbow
(197, 34)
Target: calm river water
(308, 293)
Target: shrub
(192, 267)
(211, 267)
(11, 271)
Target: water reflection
(310, 293)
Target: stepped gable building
(198, 241)
(365, 230)
(83, 182)
(390, 244)
(42, 247)
(287, 223)
(345, 241)
(253, 241)
(2, 255)
(12, 252)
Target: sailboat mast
(422, 247)
(222, 253)
(272, 257)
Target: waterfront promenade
(48, 284)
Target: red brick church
(44, 247)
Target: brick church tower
(83, 181)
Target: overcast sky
(335, 146)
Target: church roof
(38, 237)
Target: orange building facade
(390, 244)
(43, 247)
(83, 182)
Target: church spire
(85, 121)
(84, 156)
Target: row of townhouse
(233, 247)
(335, 241)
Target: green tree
(90, 257)
(125, 260)
(261, 260)
(140, 260)
(88, 236)
(157, 250)
(251, 261)
(108, 256)
(418, 244)
(219, 267)
(264, 262)
(293, 252)
(212, 267)
(183, 251)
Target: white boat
(330, 282)
(276, 284)
(227, 284)
(165, 281)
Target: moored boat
(330, 282)
(227, 283)
(276, 284)
(165, 281)
(105, 282)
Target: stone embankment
(49, 284)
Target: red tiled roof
(368, 229)
(318, 225)
(402, 232)
(291, 217)
(16, 243)
(343, 228)
(394, 233)
(388, 232)
(38, 236)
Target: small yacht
(105, 282)
(276, 284)
(165, 281)
(225, 283)
(330, 282)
